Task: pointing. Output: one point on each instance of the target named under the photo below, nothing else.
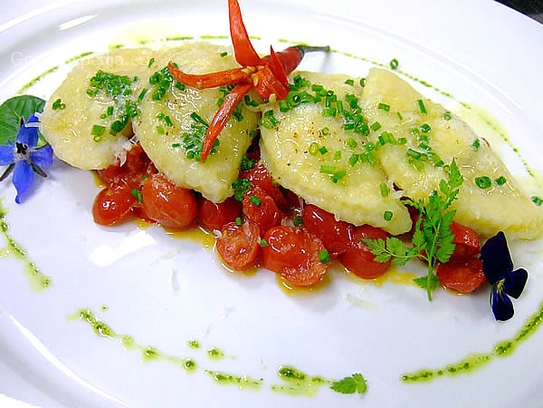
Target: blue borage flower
(506, 282)
(24, 158)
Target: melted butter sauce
(294, 382)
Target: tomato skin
(265, 214)
(113, 205)
(169, 205)
(214, 216)
(466, 241)
(239, 246)
(294, 254)
(136, 166)
(335, 235)
(259, 176)
(358, 259)
(464, 276)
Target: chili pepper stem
(309, 48)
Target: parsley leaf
(432, 241)
(350, 385)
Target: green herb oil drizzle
(476, 361)
(37, 280)
(295, 382)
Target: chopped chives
(137, 194)
(337, 155)
(375, 126)
(313, 148)
(325, 131)
(353, 159)
(323, 150)
(422, 108)
(425, 128)
(59, 105)
(97, 130)
(160, 130)
(351, 143)
(385, 190)
(255, 200)
(327, 169)
(297, 221)
(383, 106)
(362, 82)
(500, 181)
(537, 200)
(475, 145)
(263, 243)
(239, 221)
(447, 115)
(329, 112)
(388, 215)
(349, 82)
(394, 64)
(151, 62)
(483, 182)
(402, 141)
(197, 118)
(142, 94)
(223, 54)
(324, 256)
(399, 115)
(338, 175)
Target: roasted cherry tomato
(358, 259)
(466, 241)
(169, 205)
(239, 245)
(261, 209)
(113, 204)
(294, 254)
(132, 171)
(463, 276)
(259, 176)
(335, 235)
(214, 216)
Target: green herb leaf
(432, 241)
(350, 385)
(11, 112)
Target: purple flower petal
(6, 154)
(42, 157)
(23, 177)
(496, 258)
(501, 304)
(28, 133)
(515, 281)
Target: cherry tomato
(214, 216)
(466, 240)
(335, 235)
(463, 276)
(136, 166)
(261, 209)
(358, 259)
(239, 246)
(169, 205)
(294, 254)
(259, 176)
(113, 205)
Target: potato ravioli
(352, 148)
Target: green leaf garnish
(11, 112)
(350, 385)
(432, 241)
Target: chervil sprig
(432, 241)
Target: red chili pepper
(267, 75)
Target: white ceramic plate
(164, 291)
